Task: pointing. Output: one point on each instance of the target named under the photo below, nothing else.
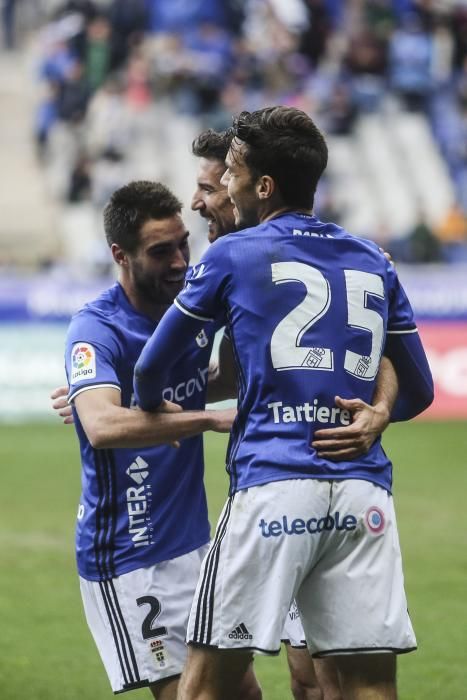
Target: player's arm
(368, 422)
(416, 390)
(108, 424)
(163, 351)
(405, 350)
(199, 302)
(222, 381)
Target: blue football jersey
(308, 308)
(138, 506)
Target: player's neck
(278, 211)
(152, 310)
(147, 308)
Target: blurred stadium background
(94, 93)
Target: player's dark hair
(131, 206)
(284, 143)
(211, 144)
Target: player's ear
(265, 187)
(119, 255)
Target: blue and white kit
(142, 527)
(309, 310)
(138, 506)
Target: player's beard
(155, 291)
(246, 219)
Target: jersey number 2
(147, 629)
(286, 351)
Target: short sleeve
(203, 296)
(400, 314)
(91, 355)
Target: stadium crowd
(120, 86)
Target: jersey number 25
(286, 351)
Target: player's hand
(213, 370)
(387, 255)
(223, 419)
(61, 405)
(349, 442)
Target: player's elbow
(99, 433)
(147, 394)
(141, 379)
(411, 404)
(140, 372)
(430, 395)
(426, 393)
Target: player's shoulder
(106, 305)
(103, 310)
(361, 245)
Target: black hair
(285, 143)
(211, 144)
(131, 206)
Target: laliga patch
(83, 362)
(159, 653)
(374, 520)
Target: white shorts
(331, 545)
(293, 632)
(139, 620)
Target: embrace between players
(308, 311)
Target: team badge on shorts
(83, 362)
(159, 653)
(374, 519)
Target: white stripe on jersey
(190, 313)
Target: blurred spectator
(129, 21)
(108, 121)
(97, 56)
(459, 32)
(114, 71)
(410, 59)
(443, 52)
(453, 227)
(209, 58)
(8, 23)
(73, 94)
(180, 15)
(138, 91)
(366, 62)
(45, 117)
(380, 17)
(341, 111)
(58, 56)
(75, 14)
(109, 173)
(80, 181)
(420, 246)
(423, 244)
(314, 38)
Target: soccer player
(212, 201)
(309, 310)
(309, 679)
(142, 526)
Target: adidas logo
(240, 632)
